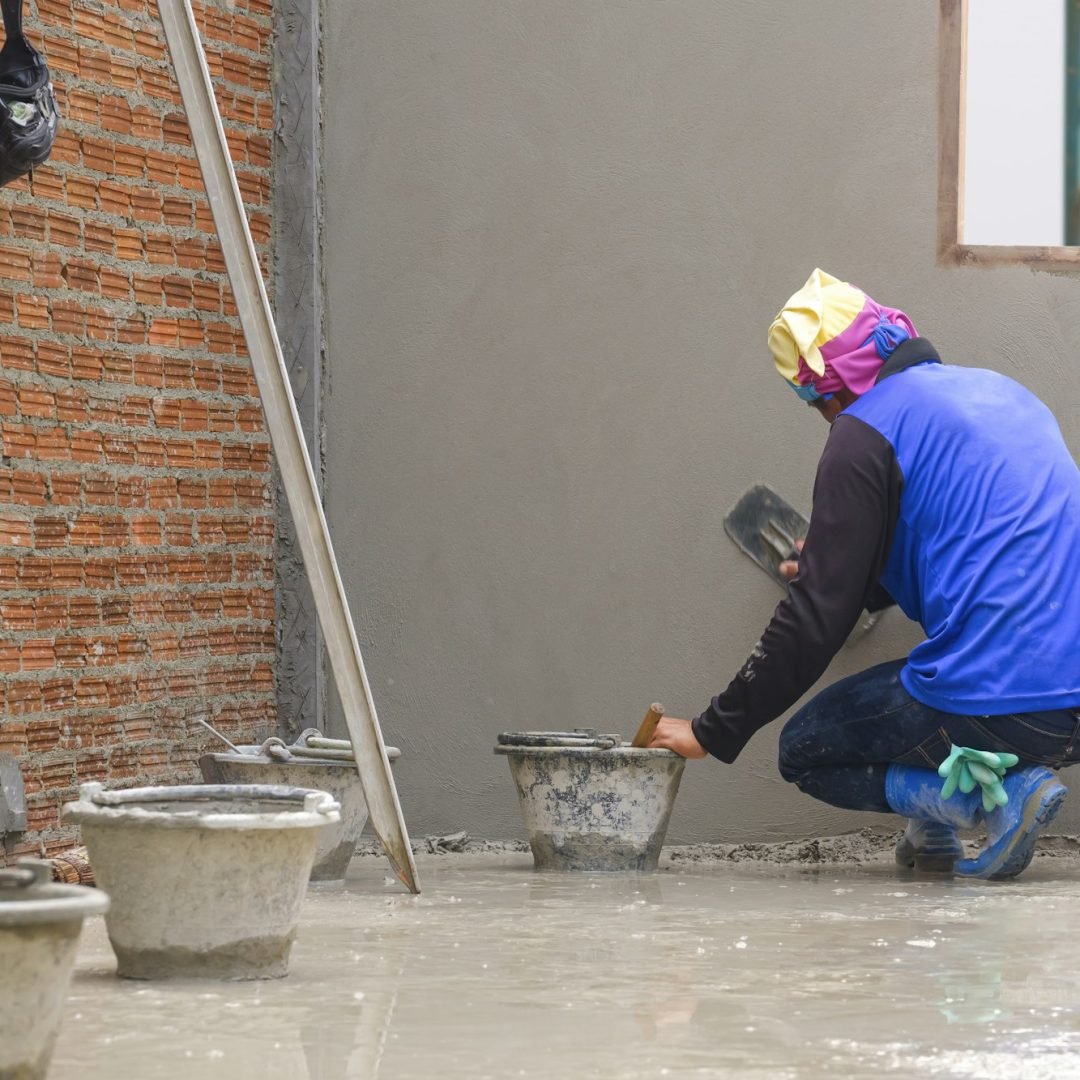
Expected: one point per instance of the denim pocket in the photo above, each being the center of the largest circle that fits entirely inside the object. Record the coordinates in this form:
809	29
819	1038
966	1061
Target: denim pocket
931	752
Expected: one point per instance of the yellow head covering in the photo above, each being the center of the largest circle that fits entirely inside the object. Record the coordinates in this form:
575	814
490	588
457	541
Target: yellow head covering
820	311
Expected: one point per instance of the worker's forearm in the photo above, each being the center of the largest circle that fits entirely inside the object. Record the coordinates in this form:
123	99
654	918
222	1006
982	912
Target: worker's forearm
856	500
793	653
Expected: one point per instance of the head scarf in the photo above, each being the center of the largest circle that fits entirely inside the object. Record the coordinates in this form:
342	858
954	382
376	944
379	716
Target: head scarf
831	335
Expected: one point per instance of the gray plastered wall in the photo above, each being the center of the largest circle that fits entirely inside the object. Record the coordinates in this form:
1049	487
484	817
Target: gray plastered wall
557	233
298	307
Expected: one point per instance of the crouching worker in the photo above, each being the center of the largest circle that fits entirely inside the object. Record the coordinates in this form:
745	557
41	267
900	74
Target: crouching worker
950	492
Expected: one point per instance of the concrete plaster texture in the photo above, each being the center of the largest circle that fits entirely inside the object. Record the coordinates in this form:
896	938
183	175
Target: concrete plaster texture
701	970
556	235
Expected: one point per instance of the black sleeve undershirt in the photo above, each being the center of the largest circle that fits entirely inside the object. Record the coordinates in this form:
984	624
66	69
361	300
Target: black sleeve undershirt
856	504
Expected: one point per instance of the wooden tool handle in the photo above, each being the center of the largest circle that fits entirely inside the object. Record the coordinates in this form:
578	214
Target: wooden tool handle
648	726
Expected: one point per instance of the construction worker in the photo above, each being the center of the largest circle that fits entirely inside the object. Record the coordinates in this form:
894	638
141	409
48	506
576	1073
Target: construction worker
948	491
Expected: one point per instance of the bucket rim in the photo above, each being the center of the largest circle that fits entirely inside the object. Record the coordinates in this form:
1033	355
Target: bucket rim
37	900
142	807
587	751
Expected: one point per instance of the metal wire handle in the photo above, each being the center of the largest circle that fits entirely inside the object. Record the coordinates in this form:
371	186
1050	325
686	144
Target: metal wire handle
319	802
25	873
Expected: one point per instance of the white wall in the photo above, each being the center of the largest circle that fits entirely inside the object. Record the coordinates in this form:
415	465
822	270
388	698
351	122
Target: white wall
1014	187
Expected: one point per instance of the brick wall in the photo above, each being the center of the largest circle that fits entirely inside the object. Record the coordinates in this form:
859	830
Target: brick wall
136	523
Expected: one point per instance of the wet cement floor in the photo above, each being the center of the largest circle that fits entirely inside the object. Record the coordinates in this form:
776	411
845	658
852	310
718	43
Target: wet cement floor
703	971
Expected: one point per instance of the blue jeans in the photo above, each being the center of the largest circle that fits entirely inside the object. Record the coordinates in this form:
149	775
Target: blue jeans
838	746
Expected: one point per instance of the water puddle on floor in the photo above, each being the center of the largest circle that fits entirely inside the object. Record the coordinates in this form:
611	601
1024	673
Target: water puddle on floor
713	971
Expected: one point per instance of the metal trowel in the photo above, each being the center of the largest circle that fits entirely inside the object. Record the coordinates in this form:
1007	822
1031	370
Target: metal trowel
765	527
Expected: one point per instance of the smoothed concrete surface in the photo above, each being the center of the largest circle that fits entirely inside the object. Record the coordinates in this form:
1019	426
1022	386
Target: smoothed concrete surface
705	969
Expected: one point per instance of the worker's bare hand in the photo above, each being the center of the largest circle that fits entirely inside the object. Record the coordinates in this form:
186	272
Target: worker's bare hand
789	568
677	735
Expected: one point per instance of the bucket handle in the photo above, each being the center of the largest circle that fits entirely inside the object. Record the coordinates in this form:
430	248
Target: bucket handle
315	802
26	873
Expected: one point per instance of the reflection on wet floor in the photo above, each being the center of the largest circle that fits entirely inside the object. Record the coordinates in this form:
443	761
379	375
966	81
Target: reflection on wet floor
714	971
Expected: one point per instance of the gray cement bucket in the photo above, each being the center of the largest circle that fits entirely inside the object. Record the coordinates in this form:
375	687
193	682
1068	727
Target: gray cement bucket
592	805
298	765
39	934
206	881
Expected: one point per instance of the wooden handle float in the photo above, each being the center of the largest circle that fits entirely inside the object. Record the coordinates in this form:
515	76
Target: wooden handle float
647	728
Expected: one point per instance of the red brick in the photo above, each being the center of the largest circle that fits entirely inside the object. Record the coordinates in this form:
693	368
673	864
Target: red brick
177	211
129	244
81	274
98	155
157	82
191	252
178	292
68	317
124	73
64	229
150	43
146	205
43	734
63	54
130	161
114	198
53	358
117	32
159	248
29	222
188	174
15	531
46	270
33	311
46	183
34	402
67	149
29	488
174	128
94	64
83	106
87	24
145	124
15	263
99	238
55	13
114	284
16	353
13	737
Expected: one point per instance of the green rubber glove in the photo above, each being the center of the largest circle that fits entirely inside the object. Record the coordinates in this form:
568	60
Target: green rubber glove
967	769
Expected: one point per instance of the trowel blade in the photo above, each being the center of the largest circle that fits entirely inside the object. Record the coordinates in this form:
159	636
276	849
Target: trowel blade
765	527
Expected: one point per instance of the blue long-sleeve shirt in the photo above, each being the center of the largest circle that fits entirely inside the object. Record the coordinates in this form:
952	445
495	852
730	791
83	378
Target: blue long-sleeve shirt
953	490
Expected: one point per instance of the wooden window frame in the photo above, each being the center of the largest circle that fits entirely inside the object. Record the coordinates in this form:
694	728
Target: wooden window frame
952	83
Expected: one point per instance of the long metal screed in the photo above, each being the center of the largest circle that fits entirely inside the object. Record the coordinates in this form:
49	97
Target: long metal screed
208	136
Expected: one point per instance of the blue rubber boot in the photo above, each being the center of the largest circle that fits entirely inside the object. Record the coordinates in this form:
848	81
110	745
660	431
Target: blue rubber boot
1035	796
930	842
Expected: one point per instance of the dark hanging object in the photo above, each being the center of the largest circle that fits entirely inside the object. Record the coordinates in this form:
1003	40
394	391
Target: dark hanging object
27	105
